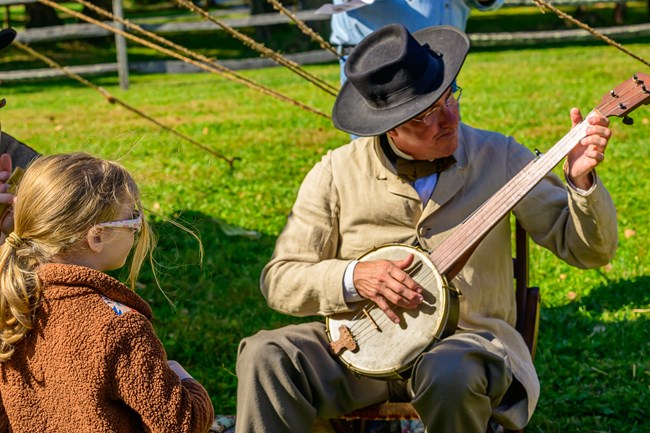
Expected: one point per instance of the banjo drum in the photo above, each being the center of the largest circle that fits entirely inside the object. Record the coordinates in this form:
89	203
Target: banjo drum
370	344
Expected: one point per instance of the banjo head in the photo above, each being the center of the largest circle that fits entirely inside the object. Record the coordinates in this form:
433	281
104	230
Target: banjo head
385	349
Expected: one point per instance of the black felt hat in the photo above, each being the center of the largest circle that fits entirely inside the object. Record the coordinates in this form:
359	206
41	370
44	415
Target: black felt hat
6	37
392	76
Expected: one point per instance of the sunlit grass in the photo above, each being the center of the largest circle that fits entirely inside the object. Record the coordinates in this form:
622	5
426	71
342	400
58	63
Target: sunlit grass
595	336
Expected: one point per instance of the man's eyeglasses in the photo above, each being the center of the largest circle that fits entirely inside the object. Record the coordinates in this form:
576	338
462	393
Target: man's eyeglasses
134	224
451	101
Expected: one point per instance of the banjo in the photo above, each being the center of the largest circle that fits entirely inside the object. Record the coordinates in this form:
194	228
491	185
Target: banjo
370	344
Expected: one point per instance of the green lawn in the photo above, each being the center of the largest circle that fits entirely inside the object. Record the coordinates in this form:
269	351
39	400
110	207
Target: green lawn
594	341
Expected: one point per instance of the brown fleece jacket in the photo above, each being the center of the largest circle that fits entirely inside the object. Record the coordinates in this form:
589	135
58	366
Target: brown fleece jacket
93	363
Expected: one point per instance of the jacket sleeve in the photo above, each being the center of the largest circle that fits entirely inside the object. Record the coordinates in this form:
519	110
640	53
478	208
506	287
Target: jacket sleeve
304	276
578	227
4	420
140	377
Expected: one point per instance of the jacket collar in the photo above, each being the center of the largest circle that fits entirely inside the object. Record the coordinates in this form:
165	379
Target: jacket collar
449	182
73	277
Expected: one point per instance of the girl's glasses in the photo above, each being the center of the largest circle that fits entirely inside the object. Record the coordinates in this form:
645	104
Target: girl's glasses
134	224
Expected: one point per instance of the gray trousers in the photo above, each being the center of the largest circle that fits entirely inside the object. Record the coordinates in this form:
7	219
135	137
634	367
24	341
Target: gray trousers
287	377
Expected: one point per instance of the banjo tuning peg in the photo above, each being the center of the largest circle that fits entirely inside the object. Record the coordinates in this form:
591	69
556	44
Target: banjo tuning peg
627	120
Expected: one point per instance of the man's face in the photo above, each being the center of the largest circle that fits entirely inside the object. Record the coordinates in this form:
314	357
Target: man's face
431	134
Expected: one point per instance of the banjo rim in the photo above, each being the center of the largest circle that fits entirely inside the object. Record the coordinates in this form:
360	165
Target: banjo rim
447	324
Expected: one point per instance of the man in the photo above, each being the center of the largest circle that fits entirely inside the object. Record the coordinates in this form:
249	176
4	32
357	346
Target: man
400	96
19	152
10	149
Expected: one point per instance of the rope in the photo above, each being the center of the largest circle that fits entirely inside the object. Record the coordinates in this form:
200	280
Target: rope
152	35
543	4
304	27
212	67
113	100
229	74
276	57
540	3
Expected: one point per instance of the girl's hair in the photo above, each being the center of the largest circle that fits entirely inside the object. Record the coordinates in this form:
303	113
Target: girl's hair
59	199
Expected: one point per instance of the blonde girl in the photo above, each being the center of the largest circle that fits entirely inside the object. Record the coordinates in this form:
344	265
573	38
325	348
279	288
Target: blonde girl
77	349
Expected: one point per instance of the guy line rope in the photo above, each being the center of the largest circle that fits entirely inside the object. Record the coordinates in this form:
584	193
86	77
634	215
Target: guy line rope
113	100
206	64
541	4
211	66
304	27
265	51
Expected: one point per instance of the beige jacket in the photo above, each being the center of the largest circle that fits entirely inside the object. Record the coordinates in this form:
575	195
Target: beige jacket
352	200
93	364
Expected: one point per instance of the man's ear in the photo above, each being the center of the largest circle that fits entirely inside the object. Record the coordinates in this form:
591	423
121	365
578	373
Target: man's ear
95	239
392	133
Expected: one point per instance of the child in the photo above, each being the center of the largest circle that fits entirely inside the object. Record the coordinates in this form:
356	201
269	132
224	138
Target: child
77	350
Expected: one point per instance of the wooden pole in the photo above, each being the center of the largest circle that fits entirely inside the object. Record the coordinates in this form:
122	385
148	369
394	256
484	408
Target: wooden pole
120	47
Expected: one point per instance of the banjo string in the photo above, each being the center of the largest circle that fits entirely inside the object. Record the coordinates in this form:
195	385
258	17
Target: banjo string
364	330
363	325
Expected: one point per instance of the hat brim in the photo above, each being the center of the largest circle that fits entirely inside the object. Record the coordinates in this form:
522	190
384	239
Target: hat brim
352	114
7	36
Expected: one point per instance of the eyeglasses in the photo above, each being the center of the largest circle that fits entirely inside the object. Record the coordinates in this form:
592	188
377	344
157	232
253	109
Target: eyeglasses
451	101
134	224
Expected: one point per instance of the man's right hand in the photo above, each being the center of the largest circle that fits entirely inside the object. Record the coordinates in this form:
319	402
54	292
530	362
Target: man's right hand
386	283
7	222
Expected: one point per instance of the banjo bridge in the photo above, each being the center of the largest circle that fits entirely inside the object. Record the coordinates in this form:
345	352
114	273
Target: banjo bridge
345	342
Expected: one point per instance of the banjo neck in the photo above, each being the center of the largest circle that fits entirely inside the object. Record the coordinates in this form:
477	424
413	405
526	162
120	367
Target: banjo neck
452	254
469	233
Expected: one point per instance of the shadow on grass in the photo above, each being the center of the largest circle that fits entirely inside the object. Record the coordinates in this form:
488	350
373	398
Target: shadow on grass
215	305
592	355
593	363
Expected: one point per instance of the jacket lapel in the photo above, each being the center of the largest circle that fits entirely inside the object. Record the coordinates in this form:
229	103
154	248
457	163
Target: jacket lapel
450	181
386	172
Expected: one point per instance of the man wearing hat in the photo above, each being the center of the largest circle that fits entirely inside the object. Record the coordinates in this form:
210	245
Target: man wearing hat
7	36
20	153
416	173
12	151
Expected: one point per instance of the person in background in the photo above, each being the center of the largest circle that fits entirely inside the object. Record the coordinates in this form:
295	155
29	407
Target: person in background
78	351
358	18
413	177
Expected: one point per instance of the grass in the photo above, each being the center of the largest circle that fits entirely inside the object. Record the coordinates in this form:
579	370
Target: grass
594	341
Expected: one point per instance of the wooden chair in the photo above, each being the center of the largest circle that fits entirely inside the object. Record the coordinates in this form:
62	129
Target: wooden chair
527	324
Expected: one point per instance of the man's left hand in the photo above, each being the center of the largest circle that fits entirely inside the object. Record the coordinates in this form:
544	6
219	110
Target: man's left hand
590	151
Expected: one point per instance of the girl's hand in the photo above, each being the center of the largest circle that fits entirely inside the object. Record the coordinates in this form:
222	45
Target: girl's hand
179	370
